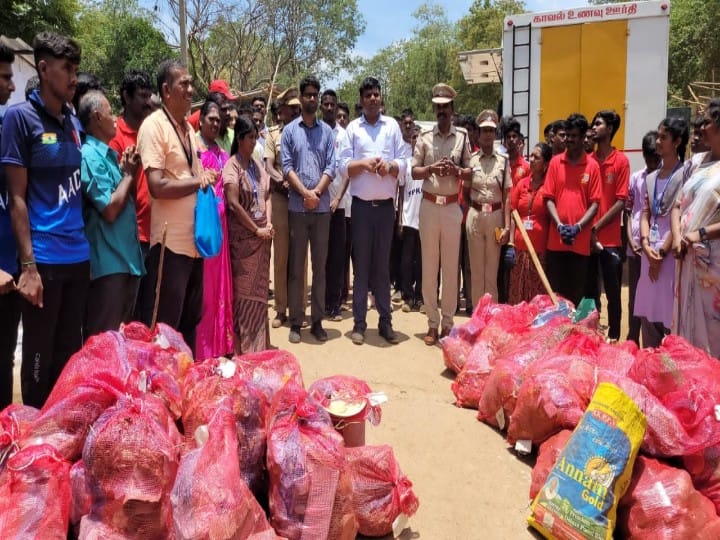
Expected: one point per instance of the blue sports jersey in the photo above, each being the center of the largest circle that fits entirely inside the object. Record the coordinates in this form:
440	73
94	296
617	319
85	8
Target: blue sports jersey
50	151
8	249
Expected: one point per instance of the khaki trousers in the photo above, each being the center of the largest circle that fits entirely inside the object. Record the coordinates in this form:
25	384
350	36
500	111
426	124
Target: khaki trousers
484	252
440	249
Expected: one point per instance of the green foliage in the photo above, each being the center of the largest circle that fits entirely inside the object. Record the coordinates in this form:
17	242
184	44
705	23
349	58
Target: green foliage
117	35
694	47
26	18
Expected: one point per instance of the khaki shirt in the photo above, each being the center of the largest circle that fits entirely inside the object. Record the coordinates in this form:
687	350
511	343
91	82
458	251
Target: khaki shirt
487	177
272	147
160	148
432	146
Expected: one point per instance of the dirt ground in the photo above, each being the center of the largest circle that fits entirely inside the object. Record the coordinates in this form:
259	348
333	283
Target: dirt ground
469	483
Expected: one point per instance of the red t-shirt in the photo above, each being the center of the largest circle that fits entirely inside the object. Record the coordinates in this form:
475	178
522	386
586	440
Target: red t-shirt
521	198
124	137
519	169
573	188
615	178
194	119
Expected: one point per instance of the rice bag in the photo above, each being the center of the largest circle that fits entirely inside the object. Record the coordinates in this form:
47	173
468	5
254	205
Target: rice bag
580	497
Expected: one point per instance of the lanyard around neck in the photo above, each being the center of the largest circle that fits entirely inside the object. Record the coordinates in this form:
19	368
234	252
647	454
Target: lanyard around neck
188	153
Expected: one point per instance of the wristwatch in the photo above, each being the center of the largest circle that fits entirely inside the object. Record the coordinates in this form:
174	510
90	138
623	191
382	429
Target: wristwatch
703	234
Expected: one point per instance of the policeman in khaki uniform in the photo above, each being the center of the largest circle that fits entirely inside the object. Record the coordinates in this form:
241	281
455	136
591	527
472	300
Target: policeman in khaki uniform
441	156
488	221
289	109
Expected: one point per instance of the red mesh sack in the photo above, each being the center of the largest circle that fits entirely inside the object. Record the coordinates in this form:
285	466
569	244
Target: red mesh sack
661	502
470	330
664	435
210	499
203	391
163	358
310	485
704	469
499	395
131	457
80	493
380	490
14	421
269	370
35	495
65	423
348	389
103	360
686	381
551	399
548	454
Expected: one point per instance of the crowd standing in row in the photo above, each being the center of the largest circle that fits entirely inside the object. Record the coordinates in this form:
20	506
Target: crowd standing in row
88	201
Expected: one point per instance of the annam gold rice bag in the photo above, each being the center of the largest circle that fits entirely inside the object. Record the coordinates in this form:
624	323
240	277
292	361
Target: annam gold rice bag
580	496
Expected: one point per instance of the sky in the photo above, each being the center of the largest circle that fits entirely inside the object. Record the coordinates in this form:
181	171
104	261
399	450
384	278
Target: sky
391	20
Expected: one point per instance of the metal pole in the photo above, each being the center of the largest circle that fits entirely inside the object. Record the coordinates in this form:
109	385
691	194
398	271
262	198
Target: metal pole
183	31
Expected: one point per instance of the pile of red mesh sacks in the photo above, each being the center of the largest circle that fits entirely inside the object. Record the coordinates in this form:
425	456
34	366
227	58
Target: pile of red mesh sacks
136	441
530	371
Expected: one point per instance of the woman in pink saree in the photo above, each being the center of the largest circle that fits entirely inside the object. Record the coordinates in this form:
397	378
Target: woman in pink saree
215	331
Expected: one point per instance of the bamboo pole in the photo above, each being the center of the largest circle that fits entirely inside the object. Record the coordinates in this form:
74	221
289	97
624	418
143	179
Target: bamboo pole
533	255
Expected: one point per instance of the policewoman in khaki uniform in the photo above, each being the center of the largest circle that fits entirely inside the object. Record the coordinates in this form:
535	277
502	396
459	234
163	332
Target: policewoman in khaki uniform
488	220
441	156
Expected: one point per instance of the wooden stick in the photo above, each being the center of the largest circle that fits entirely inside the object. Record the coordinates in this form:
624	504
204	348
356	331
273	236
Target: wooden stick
159	278
533	255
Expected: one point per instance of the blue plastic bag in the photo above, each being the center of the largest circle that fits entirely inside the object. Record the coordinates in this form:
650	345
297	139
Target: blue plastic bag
208	228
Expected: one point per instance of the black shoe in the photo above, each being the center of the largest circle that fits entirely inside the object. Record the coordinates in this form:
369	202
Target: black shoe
294	336
357	336
388	333
319	332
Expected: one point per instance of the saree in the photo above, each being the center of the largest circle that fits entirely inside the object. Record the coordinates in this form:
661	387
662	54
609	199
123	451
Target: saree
215	330
696	316
249	257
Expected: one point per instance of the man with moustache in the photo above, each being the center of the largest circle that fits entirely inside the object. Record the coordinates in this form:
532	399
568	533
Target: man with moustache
441	156
116	260
288	110
40	151
168	151
308	162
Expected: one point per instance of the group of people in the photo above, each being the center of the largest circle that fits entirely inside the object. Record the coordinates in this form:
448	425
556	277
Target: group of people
97	215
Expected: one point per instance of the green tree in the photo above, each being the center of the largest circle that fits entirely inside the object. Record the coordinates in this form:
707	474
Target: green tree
117	35
26	18
481	28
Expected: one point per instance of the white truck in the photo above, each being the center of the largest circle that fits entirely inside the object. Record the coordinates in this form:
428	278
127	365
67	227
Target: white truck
611	56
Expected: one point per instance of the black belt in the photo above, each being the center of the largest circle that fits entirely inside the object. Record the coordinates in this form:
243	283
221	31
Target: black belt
374	202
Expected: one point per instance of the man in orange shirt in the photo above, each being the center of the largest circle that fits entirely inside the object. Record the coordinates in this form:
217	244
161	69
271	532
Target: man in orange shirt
572	193
168	151
606	237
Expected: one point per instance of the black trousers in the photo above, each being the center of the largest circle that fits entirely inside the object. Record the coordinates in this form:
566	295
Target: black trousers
567	273
111	301
181	292
335	267
346	261
313	228
396	258
411	266
465	269
372	233
52	333
503	278
9	319
144	284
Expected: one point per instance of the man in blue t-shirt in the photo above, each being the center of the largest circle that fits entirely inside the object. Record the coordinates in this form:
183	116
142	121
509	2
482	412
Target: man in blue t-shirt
9	299
40	150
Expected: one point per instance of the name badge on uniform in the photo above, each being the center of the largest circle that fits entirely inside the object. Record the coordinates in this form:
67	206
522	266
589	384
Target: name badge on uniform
529	224
654	233
486	208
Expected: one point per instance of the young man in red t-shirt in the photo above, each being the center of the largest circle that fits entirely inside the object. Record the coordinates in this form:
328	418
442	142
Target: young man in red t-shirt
606	233
572	193
136	98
